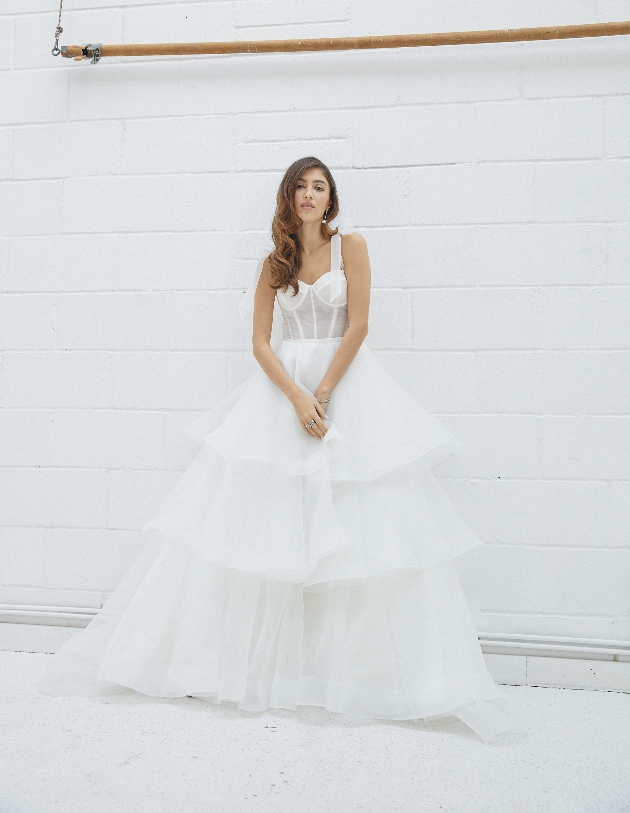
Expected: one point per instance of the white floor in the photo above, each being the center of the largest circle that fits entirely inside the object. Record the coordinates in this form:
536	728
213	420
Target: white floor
130	754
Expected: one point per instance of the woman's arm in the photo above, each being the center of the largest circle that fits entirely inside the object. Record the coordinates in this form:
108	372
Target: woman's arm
306	406
357	269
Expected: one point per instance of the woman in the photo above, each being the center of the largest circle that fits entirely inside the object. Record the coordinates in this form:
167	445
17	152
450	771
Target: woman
306	200
303	558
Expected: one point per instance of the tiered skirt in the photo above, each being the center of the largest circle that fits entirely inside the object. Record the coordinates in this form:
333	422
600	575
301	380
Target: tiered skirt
285	570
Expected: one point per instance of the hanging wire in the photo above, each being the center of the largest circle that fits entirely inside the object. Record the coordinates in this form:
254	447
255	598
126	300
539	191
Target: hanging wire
59	31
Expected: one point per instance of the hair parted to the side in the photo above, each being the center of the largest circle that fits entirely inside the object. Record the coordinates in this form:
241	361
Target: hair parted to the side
286	258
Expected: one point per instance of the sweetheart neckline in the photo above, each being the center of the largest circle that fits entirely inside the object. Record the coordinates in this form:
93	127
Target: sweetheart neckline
310	284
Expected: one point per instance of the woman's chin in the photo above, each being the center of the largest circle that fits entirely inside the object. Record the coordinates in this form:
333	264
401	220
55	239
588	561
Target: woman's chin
309	217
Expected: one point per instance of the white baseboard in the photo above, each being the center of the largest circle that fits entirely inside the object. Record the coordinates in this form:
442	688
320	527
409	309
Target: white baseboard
521	660
38	615
563	673
554	646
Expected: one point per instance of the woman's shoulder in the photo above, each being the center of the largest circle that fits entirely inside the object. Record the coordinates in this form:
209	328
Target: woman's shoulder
351	237
353	242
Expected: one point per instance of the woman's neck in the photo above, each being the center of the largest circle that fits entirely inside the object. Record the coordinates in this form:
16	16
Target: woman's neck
310	238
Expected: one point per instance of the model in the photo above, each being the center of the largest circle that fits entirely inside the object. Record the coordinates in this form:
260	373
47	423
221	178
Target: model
304	557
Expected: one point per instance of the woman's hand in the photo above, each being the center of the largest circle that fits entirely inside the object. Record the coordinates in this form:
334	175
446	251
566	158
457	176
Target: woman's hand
307	409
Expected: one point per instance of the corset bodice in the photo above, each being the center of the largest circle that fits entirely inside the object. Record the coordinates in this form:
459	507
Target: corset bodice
320	310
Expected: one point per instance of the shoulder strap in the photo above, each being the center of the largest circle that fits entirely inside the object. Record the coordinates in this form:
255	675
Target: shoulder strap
335	249
336	275
246	303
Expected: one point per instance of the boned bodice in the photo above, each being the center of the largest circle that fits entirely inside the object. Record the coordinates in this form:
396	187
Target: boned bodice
320	310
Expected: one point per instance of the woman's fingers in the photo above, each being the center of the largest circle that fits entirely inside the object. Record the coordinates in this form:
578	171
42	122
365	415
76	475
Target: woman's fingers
316	413
321	414
315	430
318	429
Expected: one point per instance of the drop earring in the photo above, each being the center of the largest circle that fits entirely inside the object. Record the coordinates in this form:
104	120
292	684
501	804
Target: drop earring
326	214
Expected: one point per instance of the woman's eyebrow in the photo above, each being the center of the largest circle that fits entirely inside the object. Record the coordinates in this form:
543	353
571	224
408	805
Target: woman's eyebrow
316	181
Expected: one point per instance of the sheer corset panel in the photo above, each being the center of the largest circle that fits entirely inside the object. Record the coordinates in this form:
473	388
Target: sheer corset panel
320	310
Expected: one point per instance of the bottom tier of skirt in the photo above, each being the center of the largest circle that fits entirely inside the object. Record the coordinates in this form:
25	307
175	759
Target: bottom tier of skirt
400	645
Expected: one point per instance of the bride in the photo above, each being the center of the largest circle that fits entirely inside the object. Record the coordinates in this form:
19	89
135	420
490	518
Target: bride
307	199
304	556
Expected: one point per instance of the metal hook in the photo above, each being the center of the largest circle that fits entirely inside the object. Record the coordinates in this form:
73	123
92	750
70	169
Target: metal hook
56	51
94	51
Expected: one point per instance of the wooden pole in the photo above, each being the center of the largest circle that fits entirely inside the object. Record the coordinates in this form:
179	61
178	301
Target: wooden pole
353	43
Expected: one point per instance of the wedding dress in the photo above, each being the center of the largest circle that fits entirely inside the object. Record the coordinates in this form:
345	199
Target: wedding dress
286	570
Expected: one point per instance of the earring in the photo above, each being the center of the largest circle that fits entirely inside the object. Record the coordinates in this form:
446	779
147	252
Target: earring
326	214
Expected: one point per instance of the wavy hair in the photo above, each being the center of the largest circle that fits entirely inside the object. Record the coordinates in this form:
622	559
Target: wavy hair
286	258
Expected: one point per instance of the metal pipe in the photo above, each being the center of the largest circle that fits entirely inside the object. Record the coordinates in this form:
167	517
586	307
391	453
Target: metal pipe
349	43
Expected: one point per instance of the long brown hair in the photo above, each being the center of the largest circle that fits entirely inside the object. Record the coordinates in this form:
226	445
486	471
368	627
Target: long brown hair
286	259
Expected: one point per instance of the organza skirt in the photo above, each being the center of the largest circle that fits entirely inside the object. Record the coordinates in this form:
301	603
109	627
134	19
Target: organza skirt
284	570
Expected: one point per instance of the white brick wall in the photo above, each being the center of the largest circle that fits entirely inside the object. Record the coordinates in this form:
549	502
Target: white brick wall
493	185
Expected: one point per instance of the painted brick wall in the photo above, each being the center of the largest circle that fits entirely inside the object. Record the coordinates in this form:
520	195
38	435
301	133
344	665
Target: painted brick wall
493	186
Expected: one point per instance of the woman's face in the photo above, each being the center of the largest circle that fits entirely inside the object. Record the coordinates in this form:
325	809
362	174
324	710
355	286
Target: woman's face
312	195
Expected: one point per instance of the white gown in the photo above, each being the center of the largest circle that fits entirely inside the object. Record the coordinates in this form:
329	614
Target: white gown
285	570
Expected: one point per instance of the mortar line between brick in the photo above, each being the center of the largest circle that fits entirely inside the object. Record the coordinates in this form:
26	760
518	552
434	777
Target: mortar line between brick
383	288
443	478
